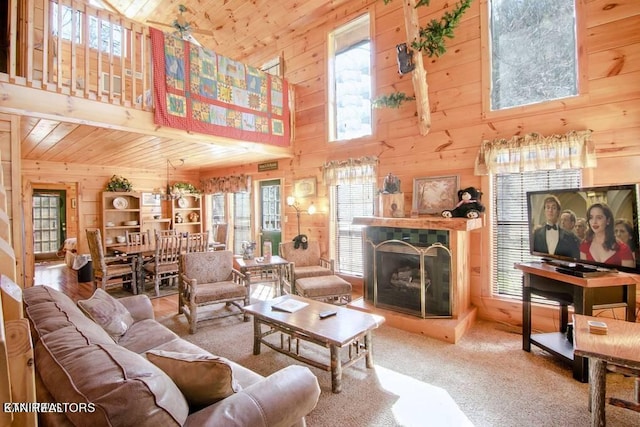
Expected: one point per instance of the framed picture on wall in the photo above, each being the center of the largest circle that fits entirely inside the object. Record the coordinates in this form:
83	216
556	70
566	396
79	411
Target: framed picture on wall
149	199
432	195
305	187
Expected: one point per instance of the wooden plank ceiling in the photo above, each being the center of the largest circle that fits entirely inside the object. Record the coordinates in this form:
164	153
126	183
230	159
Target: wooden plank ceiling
234	28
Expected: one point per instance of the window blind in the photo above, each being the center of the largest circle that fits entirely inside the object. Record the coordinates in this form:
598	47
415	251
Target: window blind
351	200
511	237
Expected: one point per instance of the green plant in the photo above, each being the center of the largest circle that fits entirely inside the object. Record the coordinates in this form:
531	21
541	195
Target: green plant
118	183
184	188
432	36
393	100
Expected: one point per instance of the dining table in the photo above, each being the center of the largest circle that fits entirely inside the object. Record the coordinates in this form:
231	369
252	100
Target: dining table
139	251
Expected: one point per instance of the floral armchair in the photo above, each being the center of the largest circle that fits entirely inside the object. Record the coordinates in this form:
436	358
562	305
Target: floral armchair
304	262
209	278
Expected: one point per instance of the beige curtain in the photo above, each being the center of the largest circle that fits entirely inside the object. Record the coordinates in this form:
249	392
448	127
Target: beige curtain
227	184
573	150
362	170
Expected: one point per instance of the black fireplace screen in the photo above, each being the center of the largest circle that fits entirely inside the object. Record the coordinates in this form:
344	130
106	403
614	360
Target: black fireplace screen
413	280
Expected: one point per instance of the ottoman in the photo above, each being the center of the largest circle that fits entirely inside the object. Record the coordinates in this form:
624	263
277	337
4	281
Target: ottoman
330	289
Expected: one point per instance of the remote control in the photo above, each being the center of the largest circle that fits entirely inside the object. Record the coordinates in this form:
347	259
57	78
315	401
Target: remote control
328	313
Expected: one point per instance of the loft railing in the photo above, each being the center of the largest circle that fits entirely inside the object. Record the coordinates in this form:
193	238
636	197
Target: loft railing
68	47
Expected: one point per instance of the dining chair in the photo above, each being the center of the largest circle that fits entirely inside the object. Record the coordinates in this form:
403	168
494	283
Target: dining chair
138	237
162	233
197	242
165	262
219	237
107	268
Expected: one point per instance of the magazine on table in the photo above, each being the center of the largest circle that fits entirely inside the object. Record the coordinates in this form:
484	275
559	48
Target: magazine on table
290	305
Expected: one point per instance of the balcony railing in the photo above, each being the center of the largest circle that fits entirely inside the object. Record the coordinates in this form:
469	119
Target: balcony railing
68	47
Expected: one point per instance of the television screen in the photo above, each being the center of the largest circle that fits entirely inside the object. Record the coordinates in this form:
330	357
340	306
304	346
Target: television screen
594	226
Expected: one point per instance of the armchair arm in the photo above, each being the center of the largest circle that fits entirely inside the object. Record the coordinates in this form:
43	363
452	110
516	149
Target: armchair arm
328	263
238	277
281	400
139	306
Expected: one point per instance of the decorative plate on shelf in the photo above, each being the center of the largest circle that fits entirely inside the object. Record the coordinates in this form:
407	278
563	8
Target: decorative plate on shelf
120	203
182	202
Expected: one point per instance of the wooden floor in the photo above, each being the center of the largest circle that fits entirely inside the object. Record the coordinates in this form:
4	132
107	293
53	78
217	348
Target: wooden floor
57	275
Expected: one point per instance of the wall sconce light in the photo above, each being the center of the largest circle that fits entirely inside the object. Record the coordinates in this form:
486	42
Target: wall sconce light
291	201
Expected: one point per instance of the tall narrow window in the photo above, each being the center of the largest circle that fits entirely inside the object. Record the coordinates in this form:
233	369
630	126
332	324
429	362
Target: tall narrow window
534	49
350	80
241	220
351	200
511	237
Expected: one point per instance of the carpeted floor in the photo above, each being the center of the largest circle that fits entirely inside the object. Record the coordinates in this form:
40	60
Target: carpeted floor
484	380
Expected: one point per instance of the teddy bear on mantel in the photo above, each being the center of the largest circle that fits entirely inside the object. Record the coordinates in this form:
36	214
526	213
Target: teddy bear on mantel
469	205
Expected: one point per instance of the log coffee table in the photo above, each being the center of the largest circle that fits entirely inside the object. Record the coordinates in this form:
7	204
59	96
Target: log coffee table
348	327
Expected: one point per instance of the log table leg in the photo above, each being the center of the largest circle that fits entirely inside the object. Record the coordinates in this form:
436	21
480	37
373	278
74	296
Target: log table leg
369	349
336	369
597	385
257	331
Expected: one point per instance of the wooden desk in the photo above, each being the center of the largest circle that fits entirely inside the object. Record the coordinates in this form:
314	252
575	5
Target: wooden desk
275	265
620	347
611	290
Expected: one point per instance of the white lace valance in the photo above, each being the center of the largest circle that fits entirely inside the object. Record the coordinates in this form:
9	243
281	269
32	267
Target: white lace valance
573	150
352	171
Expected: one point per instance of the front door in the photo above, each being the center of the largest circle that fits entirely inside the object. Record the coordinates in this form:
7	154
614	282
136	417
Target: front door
49	222
270	203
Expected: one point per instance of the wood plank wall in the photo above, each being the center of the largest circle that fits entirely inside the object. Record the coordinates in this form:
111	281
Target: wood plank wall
611	108
86	183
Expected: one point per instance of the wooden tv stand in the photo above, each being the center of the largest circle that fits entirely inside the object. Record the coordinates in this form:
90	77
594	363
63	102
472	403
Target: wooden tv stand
584	294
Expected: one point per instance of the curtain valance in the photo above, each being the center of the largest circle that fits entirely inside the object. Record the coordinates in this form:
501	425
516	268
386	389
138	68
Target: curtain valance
227	184
533	151
363	170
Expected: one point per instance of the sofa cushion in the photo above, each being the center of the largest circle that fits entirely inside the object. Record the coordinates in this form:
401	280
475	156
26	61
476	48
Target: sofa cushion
203	378
146	335
107	312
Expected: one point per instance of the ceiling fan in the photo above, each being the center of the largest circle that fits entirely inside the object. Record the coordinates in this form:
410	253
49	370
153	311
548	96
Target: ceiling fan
183	28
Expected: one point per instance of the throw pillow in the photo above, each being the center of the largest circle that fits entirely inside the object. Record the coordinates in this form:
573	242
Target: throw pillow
107	312
202	378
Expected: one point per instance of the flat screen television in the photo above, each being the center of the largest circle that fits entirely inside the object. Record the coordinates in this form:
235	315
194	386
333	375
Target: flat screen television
604	236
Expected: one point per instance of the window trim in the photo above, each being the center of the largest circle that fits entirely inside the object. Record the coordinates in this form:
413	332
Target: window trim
582	99
330	93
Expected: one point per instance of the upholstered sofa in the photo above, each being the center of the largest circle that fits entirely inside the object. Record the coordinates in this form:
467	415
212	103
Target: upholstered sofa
96	357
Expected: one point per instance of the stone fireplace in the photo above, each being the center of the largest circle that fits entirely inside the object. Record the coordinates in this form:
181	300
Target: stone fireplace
412	279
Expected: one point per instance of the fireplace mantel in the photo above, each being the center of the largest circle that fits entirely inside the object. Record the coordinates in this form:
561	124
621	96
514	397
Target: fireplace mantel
422	223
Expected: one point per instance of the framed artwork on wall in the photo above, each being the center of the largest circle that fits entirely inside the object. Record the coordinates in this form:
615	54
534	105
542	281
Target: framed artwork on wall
432	195
149	199
305	187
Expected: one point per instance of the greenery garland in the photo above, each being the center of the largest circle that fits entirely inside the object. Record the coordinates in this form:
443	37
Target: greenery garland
433	35
393	100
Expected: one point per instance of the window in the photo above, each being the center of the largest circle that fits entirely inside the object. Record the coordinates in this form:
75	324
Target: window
241	220
217	208
511	237
533	48
63	22
111	35
351	200
350	80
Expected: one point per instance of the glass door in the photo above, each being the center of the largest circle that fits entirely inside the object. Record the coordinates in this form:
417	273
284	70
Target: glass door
49	222
270	214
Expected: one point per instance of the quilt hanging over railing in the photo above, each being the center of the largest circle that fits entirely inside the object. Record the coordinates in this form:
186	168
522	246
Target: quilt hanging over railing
198	90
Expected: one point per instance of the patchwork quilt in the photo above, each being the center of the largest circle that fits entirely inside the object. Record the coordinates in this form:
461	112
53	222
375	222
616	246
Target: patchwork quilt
198	90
